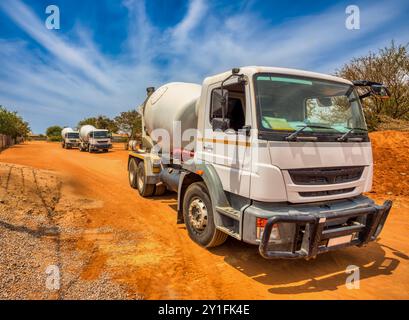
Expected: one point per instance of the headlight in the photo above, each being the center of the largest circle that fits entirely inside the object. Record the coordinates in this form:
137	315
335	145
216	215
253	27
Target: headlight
261	224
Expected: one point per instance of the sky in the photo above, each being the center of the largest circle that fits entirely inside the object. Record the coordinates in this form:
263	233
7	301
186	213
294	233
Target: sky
107	52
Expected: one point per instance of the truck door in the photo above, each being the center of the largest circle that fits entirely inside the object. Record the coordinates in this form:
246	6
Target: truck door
229	151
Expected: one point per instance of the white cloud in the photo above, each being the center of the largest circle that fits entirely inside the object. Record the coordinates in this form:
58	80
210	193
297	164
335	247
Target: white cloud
67	53
197	9
75	80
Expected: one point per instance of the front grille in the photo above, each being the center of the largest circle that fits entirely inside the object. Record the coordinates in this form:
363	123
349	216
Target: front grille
325	193
104	141
322	176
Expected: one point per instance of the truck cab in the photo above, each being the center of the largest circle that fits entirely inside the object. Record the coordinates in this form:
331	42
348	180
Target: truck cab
92	139
71	140
100	140
281	159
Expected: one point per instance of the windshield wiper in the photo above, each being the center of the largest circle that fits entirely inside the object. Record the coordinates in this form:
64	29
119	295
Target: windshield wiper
293	136
346	134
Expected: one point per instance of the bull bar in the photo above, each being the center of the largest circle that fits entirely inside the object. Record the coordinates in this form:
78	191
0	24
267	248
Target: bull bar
315	232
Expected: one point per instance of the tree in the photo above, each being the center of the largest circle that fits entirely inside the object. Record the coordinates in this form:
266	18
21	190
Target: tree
100	122
129	122
389	66
12	124
53	131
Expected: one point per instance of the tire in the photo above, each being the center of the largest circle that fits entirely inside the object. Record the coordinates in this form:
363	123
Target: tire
145	190
204	231
160	190
132	173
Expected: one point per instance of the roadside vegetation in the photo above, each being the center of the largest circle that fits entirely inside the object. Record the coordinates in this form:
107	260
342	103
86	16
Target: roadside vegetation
128	122
53	133
100	122
12	124
389	66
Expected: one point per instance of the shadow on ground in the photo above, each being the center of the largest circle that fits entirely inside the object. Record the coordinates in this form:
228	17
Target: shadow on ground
326	272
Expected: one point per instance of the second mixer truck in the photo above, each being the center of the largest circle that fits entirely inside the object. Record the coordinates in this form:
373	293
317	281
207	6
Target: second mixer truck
279	158
93	139
70	138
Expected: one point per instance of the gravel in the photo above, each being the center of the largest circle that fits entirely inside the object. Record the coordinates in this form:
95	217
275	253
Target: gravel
39	229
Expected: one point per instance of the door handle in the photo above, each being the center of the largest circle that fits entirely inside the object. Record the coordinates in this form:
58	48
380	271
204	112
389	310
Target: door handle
208	147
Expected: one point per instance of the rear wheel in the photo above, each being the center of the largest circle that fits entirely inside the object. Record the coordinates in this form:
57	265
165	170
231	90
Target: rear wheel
132	173
198	215
145	189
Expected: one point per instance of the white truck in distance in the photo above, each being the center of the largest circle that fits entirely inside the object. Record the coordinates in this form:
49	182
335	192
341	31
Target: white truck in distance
280	159
70	138
93	139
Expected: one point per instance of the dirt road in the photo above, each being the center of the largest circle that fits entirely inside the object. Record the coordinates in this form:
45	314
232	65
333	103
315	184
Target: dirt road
111	243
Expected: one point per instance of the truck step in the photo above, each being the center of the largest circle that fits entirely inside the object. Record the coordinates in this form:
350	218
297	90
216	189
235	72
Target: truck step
230	212
229	232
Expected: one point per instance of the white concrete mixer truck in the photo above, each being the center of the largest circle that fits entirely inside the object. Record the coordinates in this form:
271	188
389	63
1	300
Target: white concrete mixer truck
93	139
70	138
279	158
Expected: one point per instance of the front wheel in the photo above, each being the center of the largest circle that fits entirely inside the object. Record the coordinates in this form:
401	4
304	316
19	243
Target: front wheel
198	215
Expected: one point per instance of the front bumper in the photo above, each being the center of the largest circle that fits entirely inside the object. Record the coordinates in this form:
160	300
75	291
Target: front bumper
72	144
312	232
101	146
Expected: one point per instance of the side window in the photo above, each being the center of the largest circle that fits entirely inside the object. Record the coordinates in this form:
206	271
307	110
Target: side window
216	104
235	109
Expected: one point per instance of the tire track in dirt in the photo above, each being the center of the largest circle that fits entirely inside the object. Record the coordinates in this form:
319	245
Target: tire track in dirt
23	184
6	179
57	237
40	226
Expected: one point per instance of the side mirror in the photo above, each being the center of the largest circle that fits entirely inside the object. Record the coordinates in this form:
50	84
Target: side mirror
375	89
380	91
220	124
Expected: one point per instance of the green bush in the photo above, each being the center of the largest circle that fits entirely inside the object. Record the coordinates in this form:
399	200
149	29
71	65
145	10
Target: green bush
54	138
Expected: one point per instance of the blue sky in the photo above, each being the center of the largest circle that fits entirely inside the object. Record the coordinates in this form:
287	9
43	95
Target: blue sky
107	52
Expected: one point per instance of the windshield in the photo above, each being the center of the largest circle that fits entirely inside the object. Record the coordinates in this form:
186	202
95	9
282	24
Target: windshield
288	103
73	135
100	134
